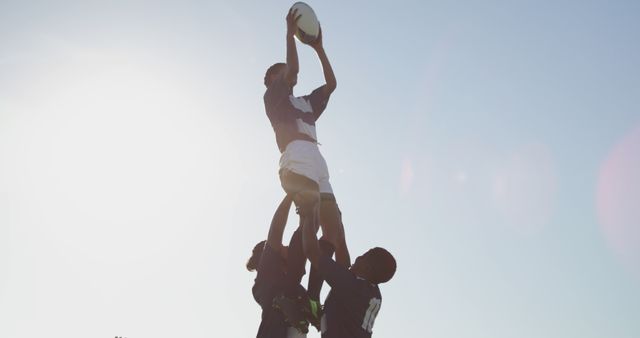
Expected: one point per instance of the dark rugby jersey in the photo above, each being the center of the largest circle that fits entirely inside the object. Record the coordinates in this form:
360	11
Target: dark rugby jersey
352	304
293	118
269	283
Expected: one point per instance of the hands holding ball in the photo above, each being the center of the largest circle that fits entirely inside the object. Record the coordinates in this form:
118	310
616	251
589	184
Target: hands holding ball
303	23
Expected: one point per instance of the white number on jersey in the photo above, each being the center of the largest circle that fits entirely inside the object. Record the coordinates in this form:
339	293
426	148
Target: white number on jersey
370	316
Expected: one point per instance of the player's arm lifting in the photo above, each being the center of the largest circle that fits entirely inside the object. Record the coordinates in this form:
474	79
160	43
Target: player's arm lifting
291	74
329	77
278	223
342	251
336	274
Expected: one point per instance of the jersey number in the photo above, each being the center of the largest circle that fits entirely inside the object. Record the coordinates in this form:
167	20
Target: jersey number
370	316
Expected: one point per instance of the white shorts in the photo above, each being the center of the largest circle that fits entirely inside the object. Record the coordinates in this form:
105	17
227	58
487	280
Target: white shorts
304	158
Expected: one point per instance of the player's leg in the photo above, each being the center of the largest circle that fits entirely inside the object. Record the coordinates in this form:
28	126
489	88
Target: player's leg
306	196
330	222
330	217
307	199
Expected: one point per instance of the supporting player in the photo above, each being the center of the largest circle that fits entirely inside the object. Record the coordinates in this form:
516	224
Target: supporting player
354	300
303	170
269	259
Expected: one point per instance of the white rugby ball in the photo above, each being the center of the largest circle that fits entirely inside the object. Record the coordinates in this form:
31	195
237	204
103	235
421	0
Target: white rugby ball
308	24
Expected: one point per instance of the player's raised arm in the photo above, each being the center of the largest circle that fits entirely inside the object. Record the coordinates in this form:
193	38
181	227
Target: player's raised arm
342	251
278	223
329	76
291	74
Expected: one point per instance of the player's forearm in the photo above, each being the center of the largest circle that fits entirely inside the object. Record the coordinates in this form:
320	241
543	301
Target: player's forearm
342	255
329	76
278	223
292	56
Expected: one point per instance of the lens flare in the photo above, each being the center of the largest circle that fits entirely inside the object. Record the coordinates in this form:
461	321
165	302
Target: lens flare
618	200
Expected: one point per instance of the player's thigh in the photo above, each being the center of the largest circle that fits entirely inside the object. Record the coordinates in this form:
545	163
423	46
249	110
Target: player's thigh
293	183
304	190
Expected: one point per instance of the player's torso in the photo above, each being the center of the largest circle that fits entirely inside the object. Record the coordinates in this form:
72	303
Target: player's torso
351	315
269	283
305	122
291	117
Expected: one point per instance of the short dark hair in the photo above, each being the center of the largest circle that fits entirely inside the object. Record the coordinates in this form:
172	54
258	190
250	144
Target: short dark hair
256	253
382	263
274	68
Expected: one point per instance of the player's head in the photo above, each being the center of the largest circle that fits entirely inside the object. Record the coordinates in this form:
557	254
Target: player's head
273	72
376	265
256	253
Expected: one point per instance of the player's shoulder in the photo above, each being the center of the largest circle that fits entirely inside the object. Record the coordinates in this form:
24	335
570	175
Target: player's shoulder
327	261
271	259
376	291
271	252
369	289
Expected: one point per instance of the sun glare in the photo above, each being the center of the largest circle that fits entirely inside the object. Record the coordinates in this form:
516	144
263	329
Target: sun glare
618	193
113	143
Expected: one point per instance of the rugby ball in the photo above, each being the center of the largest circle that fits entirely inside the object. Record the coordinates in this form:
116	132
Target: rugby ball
308	24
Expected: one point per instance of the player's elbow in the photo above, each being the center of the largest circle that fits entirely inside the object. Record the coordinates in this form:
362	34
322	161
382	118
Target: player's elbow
331	86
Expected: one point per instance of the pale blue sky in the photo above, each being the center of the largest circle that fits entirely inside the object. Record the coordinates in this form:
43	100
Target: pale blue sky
492	146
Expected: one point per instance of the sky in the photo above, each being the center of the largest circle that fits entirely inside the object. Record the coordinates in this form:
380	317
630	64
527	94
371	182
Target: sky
492	146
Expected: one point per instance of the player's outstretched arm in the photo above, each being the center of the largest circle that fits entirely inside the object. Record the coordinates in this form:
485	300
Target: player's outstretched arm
278	223
329	76
292	53
342	252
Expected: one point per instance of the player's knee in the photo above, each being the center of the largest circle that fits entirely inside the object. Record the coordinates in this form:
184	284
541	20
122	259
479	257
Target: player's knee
307	202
